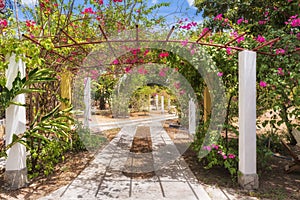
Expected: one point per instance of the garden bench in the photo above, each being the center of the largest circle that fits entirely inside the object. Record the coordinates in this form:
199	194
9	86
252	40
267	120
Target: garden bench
296	158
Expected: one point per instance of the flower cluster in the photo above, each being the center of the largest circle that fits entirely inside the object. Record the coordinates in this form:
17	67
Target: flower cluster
260	39
117	1
236	35
204	31
30	23
3	23
163	54
241	20
220	152
225	21
294	21
280	51
88	11
188	26
262	84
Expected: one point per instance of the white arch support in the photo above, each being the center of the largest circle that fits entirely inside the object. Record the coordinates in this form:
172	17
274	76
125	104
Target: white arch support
15	168
248	178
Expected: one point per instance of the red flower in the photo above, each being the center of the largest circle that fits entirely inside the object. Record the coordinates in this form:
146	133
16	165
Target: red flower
88	11
163	54
260	39
218	17
3	23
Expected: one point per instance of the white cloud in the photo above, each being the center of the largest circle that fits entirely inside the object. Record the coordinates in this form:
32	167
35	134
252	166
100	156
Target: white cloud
191	2
154	1
29	2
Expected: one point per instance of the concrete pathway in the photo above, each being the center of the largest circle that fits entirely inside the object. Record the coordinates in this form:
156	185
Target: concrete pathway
172	179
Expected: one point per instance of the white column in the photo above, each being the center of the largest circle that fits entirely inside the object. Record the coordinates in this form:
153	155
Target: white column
192	117
247	120
16	170
156	101
87	102
169	103
162	105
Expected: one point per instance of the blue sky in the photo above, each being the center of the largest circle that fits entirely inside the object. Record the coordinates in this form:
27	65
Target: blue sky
178	9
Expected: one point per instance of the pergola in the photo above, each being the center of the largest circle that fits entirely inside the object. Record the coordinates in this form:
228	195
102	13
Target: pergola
247	94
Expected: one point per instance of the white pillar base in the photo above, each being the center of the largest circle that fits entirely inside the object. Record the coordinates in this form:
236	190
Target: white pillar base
248	181
15	179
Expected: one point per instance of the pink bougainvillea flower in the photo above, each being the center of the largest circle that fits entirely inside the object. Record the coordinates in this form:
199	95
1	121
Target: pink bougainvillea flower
55	5
214	146
240	39
295	22
228	50
234	34
208	148
177	85
204	31
280	72
262	84
220	74
280	51
218	17
298	36
127	69
246	21
30	23
88	11
163	54
162	72
262	22
135	51
224	157
142	70
192	51
115	62
182	92
239	21
117	1
3	23
260	39
146	52
231	156
184	43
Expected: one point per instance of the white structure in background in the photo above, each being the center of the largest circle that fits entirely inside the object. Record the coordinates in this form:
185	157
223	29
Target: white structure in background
247	120
156	102
87	102
15	168
169	103
162	105
192	117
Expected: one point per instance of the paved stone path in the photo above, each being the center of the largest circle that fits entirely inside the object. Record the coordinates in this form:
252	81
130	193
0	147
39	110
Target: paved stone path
104	178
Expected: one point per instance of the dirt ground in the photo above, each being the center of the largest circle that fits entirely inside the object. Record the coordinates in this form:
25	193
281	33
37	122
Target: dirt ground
274	184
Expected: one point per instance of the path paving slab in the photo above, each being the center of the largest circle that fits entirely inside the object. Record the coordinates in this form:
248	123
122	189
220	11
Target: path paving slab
106	177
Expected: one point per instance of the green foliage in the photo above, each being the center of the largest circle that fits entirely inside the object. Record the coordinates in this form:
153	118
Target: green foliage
85	140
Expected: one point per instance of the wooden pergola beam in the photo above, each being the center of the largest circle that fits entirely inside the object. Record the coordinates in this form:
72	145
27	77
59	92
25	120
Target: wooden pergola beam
75	42
202	36
51	51
170	33
234	39
266	43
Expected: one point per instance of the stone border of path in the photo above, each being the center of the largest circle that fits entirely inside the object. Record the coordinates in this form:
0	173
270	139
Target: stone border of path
103	178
